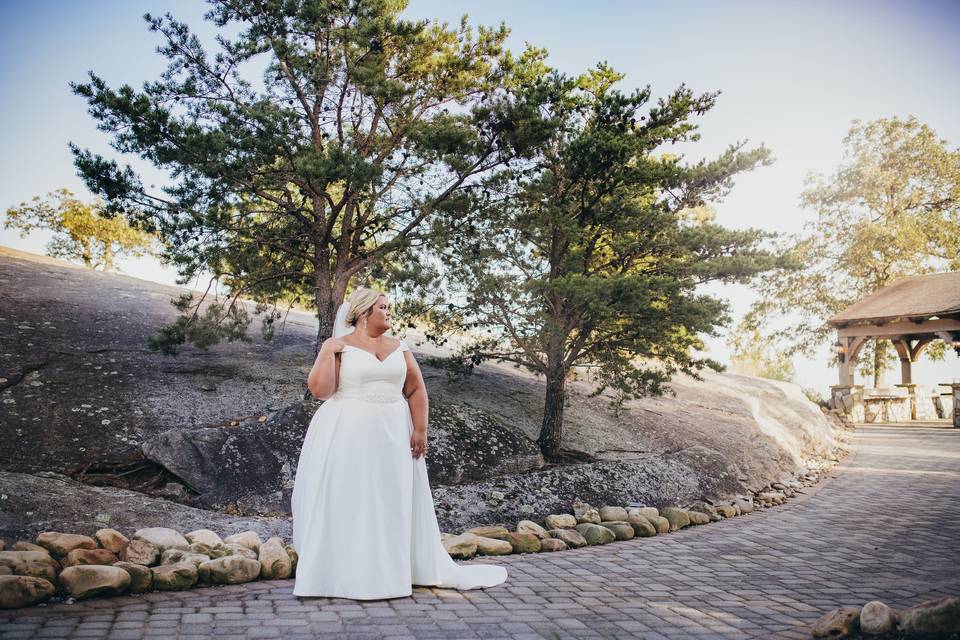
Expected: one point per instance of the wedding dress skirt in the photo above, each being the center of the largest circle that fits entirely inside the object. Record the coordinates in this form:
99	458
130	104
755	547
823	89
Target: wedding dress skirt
364	523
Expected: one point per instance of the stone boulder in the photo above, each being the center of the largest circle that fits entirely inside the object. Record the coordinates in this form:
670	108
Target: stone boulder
229	570
646	512
725	510
839	623
490	546
553	544
162	538
595	534
661	524
571	537
529	526
175	556
13	558
641	525
141	578
678	518
23	545
174	577
461	547
936	617
622	530
523	542
87	581
214	551
23	591
140	552
204	536
248	539
240	550
111	539
60	544
294	558
584	513
34	570
89	556
560	521
876	619
498	533
613	514
274	561
698	517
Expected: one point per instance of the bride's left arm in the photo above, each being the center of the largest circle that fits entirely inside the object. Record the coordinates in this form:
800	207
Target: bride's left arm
415	391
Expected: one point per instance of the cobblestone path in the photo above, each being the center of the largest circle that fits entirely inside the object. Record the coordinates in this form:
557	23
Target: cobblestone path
885	526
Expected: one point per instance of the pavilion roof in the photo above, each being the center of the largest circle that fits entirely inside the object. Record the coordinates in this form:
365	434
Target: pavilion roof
934	294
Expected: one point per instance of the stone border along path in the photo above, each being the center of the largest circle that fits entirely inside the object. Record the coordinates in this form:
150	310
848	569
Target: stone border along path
886	526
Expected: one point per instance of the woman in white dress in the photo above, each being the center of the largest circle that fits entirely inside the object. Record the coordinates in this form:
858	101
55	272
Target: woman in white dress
364	523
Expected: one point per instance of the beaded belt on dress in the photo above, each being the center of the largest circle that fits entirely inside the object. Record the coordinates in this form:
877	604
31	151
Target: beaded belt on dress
369	397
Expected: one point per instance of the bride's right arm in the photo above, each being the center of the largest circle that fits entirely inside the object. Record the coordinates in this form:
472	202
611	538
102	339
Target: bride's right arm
323	377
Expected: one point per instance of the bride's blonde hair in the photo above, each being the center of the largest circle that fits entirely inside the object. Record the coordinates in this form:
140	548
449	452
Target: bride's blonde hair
361	301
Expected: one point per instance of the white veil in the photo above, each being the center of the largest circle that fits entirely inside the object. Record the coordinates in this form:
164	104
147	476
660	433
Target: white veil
340	326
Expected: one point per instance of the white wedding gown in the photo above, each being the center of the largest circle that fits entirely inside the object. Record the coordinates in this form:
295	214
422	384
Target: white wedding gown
364	523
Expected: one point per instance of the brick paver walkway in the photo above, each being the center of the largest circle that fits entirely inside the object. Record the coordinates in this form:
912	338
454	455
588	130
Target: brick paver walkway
886	526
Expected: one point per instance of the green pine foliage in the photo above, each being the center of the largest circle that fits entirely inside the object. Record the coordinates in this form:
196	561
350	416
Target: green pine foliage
587	257
365	128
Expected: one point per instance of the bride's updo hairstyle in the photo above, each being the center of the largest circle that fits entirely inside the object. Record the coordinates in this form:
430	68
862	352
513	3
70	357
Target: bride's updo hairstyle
361	301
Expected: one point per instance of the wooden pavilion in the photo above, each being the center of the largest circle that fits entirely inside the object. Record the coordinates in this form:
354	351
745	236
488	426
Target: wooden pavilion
910	313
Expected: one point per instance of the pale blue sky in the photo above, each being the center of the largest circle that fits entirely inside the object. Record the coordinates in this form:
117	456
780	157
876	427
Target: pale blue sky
793	75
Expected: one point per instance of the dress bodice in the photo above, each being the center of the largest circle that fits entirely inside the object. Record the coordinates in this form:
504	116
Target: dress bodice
363	375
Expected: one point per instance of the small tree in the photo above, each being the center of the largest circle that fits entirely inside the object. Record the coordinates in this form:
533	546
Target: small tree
891	210
82	230
367	125
590	254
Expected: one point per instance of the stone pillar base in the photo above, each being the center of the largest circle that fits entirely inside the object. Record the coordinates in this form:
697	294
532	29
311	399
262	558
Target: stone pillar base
848	401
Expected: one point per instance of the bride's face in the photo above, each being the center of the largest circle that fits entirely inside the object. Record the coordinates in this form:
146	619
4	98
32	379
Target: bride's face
379	319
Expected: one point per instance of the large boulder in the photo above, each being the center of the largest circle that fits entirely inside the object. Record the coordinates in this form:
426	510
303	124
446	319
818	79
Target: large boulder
162	538
87	581
174	577
248	539
529	526
678	518
641	525
934	618
571	537
274	561
595	534
461	547
499	533
34	570
13	558
174	556
141	578
489	546
23	591
838	623
560	521
622	530
203	536
89	556
523	542
612	514
229	570
877	619
140	552
111	539
60	544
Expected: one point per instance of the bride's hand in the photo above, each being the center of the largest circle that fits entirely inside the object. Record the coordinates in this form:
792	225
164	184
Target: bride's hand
335	345
418	443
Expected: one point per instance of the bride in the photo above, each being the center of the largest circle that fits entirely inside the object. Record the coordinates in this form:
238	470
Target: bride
364	523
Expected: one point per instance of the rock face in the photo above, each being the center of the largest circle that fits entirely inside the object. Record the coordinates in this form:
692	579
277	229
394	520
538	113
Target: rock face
724	436
59	502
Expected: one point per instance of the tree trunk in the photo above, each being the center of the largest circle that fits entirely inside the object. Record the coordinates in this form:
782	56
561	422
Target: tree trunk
879	362
551	430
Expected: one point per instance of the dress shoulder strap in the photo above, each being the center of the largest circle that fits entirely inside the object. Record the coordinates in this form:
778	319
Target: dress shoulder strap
403	346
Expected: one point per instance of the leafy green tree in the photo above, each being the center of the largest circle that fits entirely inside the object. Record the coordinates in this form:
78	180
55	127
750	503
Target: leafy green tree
589	254
892	209
755	356
365	128
82	231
